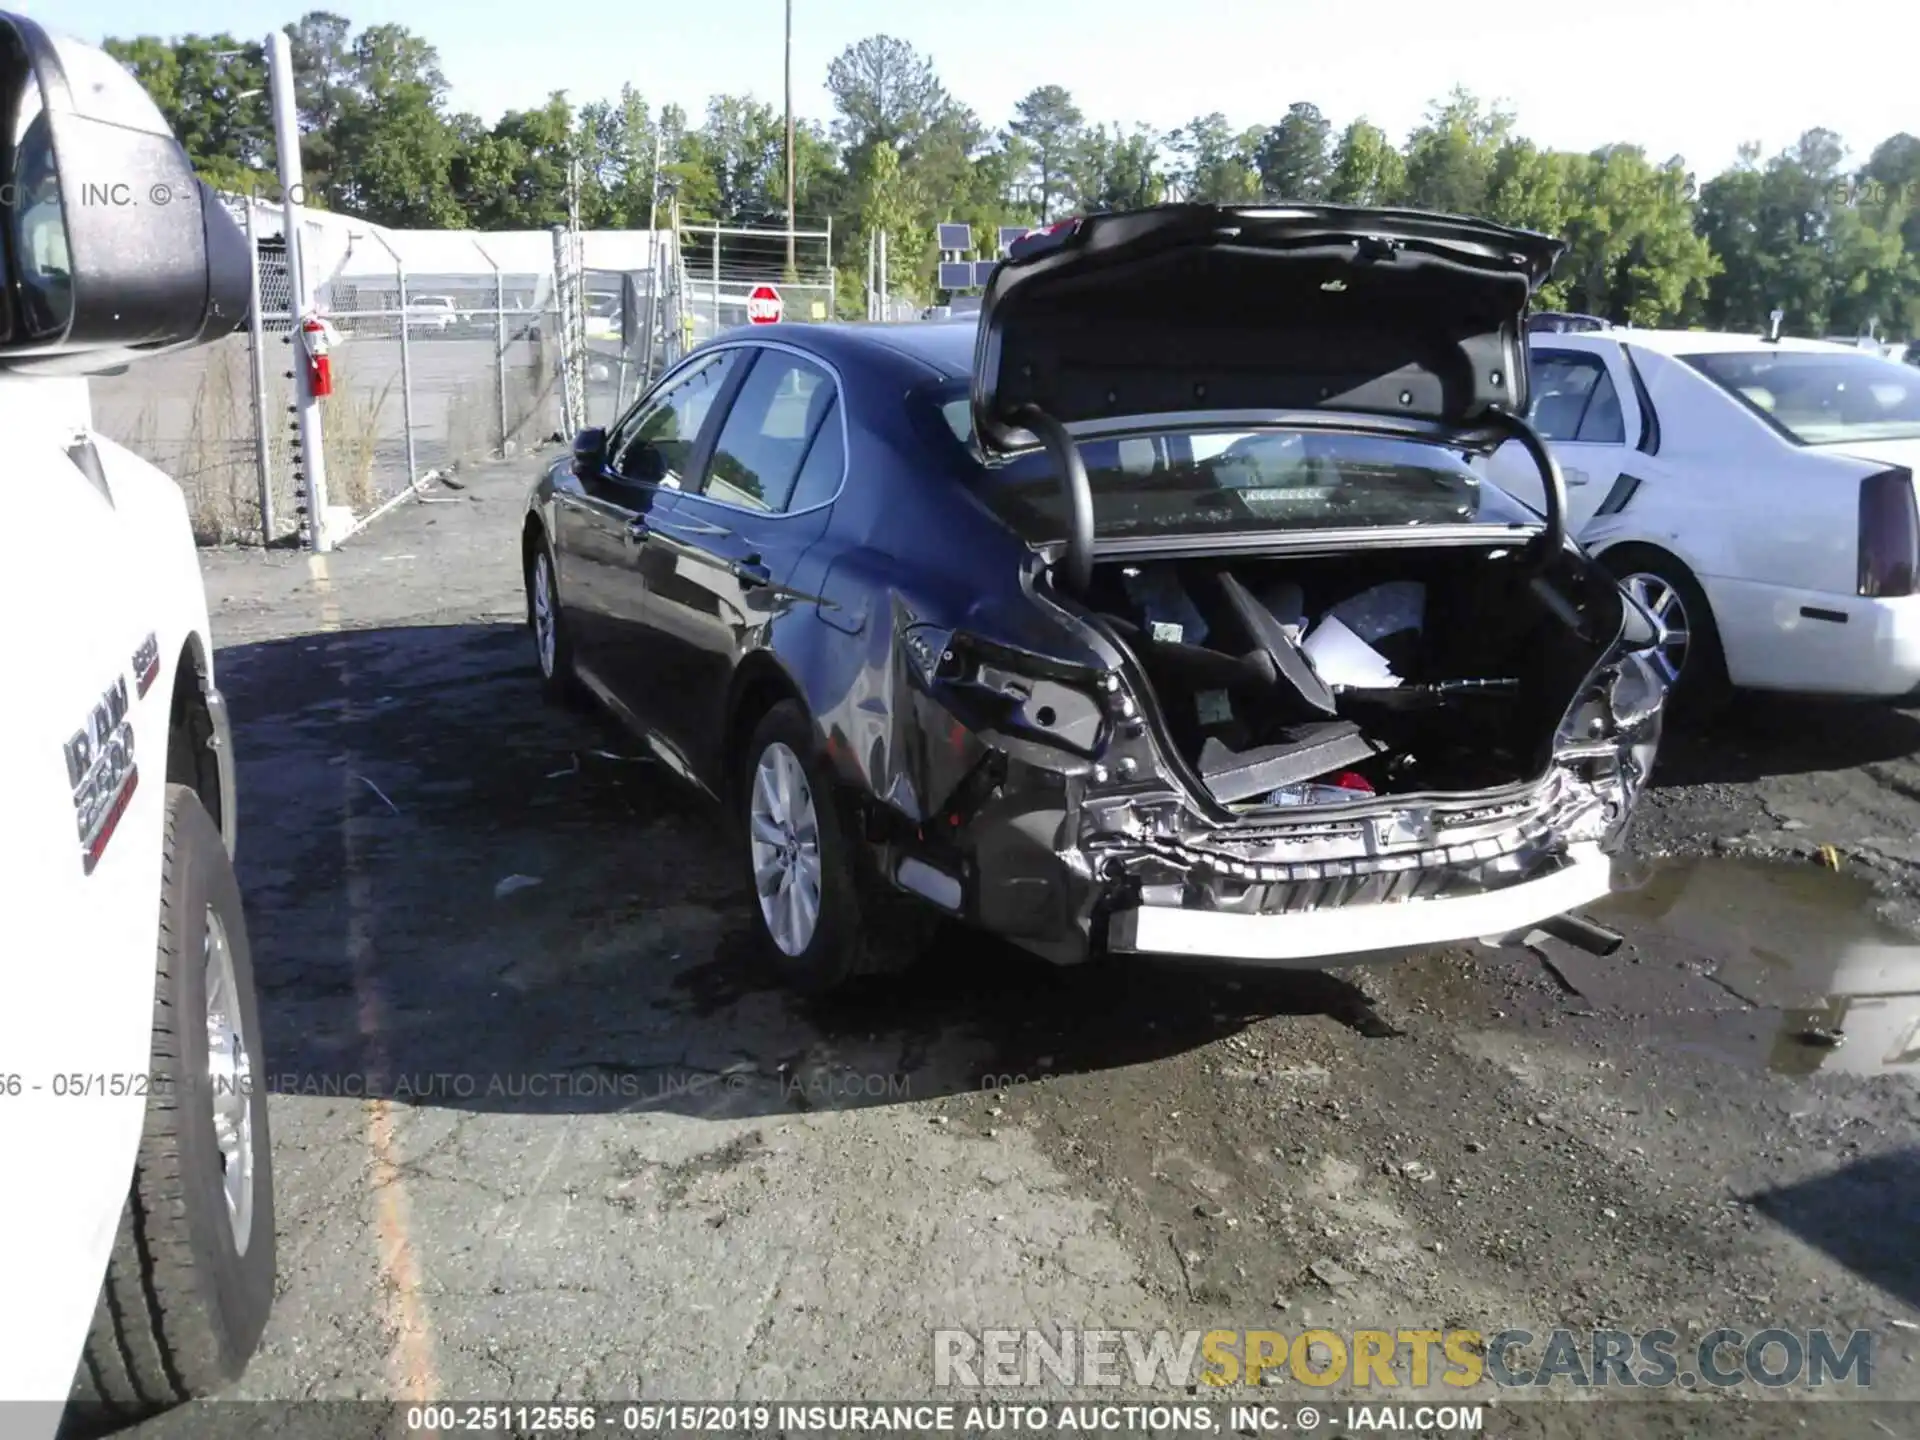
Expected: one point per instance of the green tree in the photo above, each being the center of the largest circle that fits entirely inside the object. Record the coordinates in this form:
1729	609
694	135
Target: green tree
1794	234
1051	125
212	89
394	138
1890	187
885	92
1295	157
517	177
1367	170
322	46
1449	159
1120	170
1633	252
1216	163
743	143
891	204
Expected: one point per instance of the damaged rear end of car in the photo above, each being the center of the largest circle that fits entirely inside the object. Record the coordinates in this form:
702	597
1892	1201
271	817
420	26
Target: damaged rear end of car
1291	686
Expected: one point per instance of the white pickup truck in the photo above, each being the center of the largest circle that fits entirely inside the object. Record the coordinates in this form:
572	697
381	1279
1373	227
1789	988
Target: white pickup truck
136	1221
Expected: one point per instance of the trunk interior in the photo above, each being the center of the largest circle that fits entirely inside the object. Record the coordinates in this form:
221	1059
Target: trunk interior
1321	679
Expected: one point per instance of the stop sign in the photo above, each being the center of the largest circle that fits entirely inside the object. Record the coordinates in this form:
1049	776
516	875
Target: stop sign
764	306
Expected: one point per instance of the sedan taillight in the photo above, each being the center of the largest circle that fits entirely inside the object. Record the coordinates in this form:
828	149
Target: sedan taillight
1889	535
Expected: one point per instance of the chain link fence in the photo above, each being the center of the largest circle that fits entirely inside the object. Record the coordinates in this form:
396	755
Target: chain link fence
446	351
450	347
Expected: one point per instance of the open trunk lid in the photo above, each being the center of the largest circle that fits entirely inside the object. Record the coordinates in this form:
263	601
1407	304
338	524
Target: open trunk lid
1185	315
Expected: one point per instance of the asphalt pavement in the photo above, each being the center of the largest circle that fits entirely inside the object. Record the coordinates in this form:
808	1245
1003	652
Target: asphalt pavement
545	1129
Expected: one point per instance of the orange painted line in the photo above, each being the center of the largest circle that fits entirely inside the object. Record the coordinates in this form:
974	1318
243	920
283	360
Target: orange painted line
413	1372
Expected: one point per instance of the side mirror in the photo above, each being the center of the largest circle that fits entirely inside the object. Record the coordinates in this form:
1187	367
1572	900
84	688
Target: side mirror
112	246
590	451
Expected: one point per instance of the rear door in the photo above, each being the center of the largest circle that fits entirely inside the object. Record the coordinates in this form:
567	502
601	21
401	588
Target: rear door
1585	407
725	557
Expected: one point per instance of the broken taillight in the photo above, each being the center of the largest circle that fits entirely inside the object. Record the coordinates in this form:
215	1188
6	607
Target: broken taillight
1889	535
1036	242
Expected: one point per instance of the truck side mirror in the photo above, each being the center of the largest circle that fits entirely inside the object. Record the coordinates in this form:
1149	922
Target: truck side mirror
113	247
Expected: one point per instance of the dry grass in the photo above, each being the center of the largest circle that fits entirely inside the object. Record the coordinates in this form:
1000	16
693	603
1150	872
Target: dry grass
350	423
530	390
213	459
471	424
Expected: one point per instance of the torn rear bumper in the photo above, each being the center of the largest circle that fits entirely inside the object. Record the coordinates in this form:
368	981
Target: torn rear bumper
1316	939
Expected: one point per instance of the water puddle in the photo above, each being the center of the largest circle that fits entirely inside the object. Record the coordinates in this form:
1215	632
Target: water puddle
1778	965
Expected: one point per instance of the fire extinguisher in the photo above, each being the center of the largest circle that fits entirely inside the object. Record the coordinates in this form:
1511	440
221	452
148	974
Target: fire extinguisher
316	338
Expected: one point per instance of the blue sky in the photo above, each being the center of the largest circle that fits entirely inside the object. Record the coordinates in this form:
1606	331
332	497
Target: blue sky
1693	77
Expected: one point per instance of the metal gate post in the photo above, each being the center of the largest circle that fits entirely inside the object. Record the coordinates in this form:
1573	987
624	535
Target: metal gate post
565	296
499	338
716	279
256	345
406	358
653	306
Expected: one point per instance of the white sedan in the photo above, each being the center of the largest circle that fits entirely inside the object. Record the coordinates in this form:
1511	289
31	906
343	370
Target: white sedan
1756	495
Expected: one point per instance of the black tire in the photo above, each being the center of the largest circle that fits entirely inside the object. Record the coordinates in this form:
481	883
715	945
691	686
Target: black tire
864	927
182	1307
558	678
1701	688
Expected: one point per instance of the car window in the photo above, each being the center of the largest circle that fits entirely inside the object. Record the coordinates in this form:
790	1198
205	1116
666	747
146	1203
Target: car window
826	463
657	438
1603	424
1565	386
1172	483
1818	397
763	443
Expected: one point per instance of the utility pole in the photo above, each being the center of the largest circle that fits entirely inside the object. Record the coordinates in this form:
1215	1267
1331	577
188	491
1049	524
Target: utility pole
791	274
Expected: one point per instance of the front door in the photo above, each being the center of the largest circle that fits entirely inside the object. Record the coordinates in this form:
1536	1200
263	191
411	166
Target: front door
728	551
605	526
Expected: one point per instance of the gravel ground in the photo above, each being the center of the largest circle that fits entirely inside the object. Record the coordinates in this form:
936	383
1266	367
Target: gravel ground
613	1159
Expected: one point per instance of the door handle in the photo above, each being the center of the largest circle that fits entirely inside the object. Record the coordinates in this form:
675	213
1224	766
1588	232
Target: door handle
1574	477
751	573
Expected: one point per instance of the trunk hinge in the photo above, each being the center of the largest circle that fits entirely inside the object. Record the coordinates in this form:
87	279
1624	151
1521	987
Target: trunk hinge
1076	566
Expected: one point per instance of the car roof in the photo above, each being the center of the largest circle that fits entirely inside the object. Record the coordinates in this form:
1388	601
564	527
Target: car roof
1687	342
921	350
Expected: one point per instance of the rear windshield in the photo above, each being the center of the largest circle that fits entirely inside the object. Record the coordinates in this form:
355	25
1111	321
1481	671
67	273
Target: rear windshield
1820	398
1173	483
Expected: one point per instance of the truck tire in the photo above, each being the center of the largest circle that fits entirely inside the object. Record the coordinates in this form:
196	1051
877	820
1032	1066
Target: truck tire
191	1276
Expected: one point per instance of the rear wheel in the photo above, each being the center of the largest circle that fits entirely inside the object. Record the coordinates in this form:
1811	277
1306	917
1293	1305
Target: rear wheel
819	920
1689	640
190	1280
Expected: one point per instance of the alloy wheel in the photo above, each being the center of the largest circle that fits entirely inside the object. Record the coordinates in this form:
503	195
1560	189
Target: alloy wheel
229	1082
784	833
1658	597
544	637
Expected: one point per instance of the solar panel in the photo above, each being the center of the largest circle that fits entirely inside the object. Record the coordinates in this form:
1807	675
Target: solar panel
983	271
956	275
1010	233
955	237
